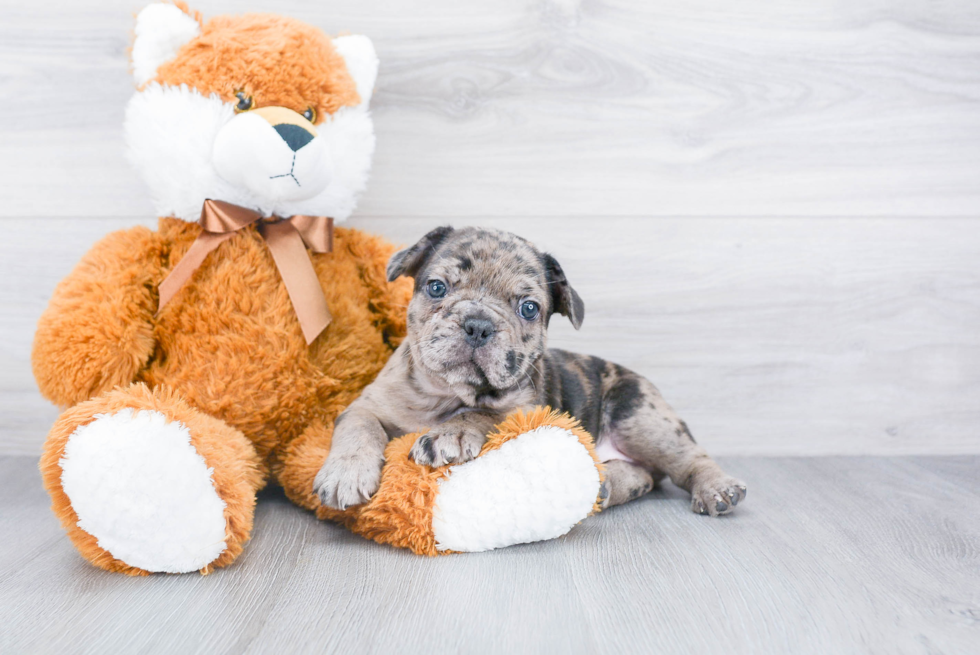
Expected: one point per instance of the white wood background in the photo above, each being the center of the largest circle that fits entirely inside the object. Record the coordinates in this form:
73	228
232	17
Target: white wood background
771	209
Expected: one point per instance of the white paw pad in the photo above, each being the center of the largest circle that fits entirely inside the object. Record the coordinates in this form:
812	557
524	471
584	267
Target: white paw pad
141	489
534	487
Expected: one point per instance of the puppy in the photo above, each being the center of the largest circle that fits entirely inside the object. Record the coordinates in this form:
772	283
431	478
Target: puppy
476	350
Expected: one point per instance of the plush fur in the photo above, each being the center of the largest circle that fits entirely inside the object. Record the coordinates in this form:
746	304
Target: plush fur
188	73
405	510
237	472
161	30
277	60
220	387
225	362
227	351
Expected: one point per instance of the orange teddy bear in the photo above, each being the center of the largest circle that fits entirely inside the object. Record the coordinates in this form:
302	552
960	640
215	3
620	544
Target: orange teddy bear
199	361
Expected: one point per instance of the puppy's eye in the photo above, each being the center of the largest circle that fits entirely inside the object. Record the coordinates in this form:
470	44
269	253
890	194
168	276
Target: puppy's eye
436	288
530	309
310	114
245	101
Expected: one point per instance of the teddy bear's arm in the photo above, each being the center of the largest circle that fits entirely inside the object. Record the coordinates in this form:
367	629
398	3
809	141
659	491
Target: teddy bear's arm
97	331
389	300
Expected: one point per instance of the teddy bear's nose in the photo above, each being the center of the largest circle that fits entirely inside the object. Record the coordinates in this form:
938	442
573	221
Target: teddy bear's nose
295	136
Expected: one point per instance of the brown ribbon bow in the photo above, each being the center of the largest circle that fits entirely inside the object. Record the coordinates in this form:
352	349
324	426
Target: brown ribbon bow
285	237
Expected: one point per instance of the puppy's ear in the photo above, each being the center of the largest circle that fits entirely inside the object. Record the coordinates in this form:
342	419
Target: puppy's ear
564	299
411	260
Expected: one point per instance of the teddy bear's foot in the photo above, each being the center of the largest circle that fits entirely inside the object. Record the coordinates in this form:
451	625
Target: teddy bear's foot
535	479
141	489
145	483
535	485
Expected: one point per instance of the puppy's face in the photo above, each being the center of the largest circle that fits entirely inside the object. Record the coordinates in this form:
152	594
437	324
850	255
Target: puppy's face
482	302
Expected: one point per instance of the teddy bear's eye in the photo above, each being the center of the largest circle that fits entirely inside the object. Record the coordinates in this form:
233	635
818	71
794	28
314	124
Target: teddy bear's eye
245	101
310	114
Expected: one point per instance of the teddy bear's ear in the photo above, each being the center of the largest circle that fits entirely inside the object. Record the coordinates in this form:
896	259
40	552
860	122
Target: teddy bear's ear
161	30
362	62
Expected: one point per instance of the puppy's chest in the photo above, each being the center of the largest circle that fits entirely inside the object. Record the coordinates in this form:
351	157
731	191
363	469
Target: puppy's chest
424	408
408	413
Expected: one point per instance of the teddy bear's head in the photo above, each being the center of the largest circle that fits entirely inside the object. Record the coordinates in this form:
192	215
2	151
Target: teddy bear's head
258	110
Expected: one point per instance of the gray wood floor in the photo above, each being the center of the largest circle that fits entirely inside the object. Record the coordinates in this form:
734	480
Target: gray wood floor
828	555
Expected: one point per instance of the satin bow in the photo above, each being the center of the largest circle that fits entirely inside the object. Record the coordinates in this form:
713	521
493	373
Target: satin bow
286	238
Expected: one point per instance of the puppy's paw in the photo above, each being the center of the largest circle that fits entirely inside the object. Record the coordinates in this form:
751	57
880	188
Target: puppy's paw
345	481
624	482
717	496
447	444
603	498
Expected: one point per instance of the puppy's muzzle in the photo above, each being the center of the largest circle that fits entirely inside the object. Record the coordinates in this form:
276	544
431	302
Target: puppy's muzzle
479	330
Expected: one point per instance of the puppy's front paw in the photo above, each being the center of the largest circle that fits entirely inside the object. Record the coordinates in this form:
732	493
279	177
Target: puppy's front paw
717	496
447	444
345	481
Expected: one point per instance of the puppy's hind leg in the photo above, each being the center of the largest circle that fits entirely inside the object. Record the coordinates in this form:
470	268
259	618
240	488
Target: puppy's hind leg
624	482
650	433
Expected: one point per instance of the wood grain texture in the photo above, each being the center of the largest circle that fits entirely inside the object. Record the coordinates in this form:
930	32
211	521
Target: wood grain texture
827	555
792	336
644	143
639	141
563	107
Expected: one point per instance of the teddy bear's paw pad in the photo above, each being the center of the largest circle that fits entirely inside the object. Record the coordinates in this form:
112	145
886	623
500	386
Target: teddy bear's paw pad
141	489
534	487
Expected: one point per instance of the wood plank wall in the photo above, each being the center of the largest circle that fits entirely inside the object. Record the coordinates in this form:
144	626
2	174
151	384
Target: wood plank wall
771	209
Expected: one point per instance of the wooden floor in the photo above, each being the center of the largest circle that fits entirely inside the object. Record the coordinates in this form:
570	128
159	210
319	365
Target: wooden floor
828	555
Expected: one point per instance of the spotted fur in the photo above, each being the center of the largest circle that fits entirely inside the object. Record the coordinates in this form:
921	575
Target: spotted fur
441	378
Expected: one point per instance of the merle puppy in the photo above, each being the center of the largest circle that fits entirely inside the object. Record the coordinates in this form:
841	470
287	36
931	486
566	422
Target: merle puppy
476	350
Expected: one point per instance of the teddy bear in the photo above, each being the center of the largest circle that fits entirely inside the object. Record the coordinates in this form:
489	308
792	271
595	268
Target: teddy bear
201	361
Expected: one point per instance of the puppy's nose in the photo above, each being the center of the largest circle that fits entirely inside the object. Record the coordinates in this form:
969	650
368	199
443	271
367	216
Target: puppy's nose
478	331
295	136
